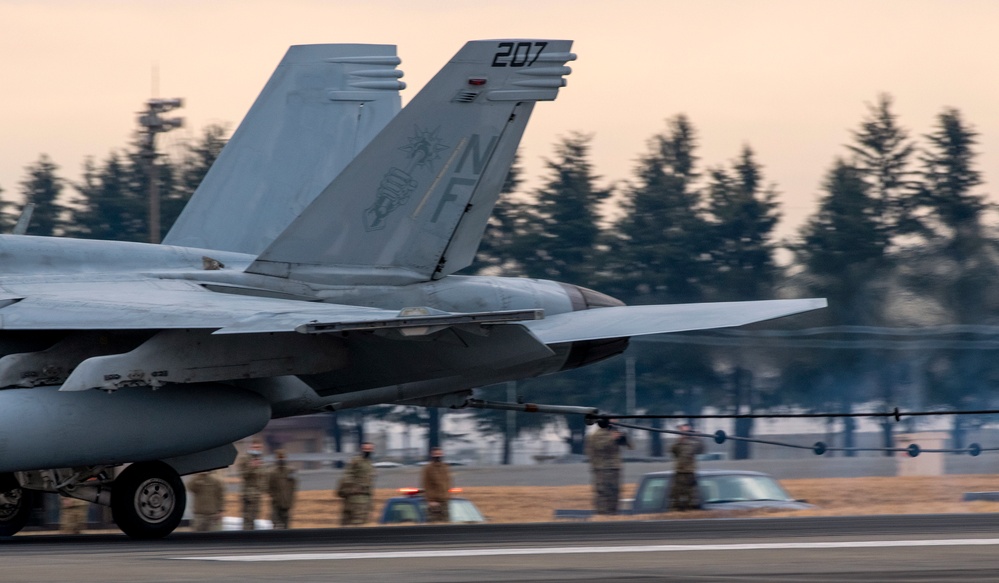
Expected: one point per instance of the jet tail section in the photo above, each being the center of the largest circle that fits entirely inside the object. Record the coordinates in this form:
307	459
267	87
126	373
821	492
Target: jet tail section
322	105
414	204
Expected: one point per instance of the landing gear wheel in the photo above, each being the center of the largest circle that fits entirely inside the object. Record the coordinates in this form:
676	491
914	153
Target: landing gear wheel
15	505
147	500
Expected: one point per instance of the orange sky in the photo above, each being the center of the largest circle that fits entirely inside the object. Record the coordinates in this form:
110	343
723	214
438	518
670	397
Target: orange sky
790	78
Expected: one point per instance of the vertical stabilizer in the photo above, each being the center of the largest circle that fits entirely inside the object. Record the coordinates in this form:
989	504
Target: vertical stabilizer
414	204
322	105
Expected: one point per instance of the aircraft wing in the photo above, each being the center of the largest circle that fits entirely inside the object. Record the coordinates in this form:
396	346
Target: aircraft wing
158	305
176	331
625	321
168	305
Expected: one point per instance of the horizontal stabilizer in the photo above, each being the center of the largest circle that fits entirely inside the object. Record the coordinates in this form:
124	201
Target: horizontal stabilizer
424	321
627	321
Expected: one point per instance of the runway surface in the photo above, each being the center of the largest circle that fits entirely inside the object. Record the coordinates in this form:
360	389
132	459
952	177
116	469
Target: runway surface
961	547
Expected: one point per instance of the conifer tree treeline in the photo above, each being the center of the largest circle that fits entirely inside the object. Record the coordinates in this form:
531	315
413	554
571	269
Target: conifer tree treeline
110	201
902	236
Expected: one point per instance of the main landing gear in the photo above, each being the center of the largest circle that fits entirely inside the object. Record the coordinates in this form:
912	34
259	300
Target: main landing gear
15	505
147	500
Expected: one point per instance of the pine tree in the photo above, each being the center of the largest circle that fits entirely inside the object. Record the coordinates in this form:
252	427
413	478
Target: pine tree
881	152
659	247
743	215
43	186
112	204
843	244
949	177
7	221
963	254
561	231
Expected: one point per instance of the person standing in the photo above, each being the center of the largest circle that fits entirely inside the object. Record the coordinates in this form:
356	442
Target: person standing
603	448
356	487
73	515
685	495
435	480
281	485
209	501
252	471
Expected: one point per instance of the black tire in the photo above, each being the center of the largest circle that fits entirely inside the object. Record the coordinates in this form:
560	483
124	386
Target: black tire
15	506
147	500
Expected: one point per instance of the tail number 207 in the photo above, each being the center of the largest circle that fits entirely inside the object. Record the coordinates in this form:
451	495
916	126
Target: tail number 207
518	54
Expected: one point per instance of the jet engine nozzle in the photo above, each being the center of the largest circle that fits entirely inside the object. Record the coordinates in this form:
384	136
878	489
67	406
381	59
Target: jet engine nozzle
583	298
587	352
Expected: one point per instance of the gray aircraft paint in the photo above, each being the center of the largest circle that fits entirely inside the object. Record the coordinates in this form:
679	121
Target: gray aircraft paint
180	316
322	105
131	425
413	189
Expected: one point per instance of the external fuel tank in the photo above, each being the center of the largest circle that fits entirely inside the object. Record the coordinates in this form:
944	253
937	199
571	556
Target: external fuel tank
43	428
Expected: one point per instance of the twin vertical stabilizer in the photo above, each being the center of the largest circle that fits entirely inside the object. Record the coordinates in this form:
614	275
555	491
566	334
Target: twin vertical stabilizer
322	105
413	205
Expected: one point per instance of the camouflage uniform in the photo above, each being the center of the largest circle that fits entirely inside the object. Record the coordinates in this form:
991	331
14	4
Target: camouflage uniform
281	484
603	447
254	481
355	488
436	483
684	495
209	501
73	517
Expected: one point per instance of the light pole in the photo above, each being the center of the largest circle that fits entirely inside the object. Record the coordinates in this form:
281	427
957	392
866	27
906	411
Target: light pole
153	124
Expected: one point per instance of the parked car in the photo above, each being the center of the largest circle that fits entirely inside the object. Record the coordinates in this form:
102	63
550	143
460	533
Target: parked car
411	507
720	490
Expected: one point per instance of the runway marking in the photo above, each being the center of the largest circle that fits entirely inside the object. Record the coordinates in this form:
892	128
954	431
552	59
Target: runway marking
478	552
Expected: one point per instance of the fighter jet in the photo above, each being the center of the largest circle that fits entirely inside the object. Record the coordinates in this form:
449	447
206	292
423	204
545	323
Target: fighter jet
156	358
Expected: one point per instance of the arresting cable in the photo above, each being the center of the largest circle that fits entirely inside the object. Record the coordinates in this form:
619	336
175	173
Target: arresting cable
819	448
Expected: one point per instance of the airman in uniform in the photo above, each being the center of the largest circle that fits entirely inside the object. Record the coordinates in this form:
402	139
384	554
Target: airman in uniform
435	480
603	447
254	476
356	487
73	515
281	485
684	495
209	501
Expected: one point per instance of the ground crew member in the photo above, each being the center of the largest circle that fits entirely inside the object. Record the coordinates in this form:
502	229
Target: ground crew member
356	487
209	501
435	480
281	484
251	470
685	494
603	447
73	515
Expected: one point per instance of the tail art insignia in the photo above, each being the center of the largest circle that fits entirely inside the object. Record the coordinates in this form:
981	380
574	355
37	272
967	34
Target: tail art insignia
397	184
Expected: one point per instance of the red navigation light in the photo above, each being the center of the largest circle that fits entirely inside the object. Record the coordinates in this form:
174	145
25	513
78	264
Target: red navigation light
477	81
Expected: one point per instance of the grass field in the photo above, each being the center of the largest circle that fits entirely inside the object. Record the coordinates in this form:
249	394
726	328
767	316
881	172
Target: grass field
833	496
